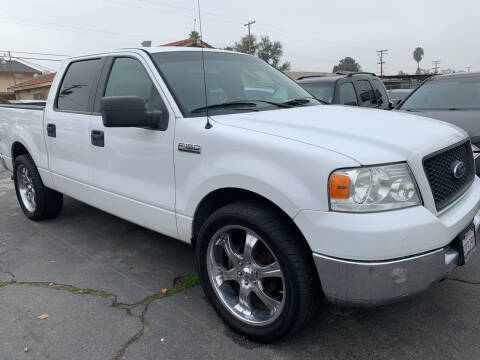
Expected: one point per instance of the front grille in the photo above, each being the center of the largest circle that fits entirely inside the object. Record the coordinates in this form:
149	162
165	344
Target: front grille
439	168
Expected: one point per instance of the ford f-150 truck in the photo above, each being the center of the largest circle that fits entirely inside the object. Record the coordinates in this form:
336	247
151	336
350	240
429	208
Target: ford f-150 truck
283	198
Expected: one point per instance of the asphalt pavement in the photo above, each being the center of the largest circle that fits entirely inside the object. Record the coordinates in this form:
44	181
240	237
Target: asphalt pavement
114	290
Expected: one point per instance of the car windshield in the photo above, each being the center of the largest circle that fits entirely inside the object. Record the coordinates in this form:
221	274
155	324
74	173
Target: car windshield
446	94
321	90
233	82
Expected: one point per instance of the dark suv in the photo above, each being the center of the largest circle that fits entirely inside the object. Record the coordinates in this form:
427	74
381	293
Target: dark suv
357	89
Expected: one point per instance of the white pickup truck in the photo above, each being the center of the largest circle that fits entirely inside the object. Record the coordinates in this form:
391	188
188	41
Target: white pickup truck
283	198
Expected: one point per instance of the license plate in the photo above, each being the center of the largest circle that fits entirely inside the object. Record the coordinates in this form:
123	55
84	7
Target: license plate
466	244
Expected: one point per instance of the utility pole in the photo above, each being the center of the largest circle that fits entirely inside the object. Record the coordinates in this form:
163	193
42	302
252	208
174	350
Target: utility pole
468	68
381	62
10	66
249	35
436	64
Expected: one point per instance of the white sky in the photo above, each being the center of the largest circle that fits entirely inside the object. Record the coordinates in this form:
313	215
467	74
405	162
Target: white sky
315	33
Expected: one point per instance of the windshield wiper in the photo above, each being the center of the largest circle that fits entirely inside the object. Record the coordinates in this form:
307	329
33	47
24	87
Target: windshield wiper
301	101
248	103
226	104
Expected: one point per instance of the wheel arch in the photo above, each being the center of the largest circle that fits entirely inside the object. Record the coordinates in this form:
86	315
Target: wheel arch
19	149
228	195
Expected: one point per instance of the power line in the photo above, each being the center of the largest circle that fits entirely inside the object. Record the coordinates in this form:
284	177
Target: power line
30	58
77	29
41	67
33	53
436	65
381	62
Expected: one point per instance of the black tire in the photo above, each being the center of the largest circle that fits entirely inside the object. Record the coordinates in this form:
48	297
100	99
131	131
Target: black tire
48	203
293	254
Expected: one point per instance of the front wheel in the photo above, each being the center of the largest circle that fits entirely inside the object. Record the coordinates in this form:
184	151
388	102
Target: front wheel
37	201
256	271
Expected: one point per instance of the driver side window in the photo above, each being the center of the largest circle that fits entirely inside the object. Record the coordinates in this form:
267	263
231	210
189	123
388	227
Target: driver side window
129	78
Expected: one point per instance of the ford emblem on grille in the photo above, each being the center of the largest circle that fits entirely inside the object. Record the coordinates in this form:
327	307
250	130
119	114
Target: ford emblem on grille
458	169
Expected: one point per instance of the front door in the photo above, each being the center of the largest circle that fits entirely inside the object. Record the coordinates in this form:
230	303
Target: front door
133	167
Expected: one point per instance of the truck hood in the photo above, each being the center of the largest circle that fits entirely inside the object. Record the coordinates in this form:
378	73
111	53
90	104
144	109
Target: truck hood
368	136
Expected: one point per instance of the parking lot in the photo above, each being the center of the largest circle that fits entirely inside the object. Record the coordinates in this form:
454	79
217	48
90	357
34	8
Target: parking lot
100	280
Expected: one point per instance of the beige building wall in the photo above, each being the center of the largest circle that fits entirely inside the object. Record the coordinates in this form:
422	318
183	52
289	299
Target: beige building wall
38	93
6	80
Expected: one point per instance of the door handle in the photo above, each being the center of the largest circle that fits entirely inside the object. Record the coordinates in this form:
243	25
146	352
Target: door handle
51	130
98	138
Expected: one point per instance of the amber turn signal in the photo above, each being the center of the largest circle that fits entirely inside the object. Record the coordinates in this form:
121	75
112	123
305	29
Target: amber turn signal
339	186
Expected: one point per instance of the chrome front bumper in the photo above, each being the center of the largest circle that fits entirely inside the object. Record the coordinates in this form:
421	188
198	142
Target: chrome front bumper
374	283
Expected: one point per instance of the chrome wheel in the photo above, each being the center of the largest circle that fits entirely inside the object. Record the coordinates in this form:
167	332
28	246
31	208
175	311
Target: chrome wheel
26	188
246	275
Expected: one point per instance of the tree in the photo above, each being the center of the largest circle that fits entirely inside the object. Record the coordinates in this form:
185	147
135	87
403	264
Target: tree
194	34
267	50
242	45
401	73
271	52
418	56
347	64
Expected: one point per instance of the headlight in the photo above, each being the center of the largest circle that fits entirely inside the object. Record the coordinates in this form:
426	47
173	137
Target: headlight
373	188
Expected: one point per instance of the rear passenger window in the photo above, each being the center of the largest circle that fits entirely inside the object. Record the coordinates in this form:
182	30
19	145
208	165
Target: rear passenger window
347	94
77	85
380	93
366	92
129	78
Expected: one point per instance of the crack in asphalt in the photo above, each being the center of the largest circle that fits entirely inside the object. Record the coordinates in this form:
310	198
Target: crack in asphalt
465	281
180	284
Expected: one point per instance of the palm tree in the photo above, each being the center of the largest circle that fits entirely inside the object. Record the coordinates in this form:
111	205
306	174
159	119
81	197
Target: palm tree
194	34
418	56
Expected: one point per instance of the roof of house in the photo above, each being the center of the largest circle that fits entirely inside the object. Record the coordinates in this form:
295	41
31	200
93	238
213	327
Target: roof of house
16	66
190	42
37	81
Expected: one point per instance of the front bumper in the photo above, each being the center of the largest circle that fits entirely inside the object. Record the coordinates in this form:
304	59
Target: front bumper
375	283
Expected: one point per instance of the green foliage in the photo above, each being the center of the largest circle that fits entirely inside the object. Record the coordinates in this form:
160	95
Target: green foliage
401	72
347	64
242	45
418	56
269	51
194	34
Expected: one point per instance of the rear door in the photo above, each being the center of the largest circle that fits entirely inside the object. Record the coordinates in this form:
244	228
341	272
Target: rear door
67	123
133	167
365	93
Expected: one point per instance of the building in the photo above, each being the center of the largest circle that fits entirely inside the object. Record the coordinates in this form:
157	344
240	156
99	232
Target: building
34	89
13	72
191	42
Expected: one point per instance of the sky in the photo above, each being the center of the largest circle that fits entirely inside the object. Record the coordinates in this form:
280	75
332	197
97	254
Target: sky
315	34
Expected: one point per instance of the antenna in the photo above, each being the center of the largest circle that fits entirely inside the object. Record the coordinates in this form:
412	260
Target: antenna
207	125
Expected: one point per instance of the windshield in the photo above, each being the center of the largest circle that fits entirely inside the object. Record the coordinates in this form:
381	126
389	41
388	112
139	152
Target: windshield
445	94
229	78
321	90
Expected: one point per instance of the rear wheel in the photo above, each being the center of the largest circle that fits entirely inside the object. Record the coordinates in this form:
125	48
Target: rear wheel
36	201
256	271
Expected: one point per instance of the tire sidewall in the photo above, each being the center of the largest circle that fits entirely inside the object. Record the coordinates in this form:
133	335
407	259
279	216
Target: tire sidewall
28	164
286	319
